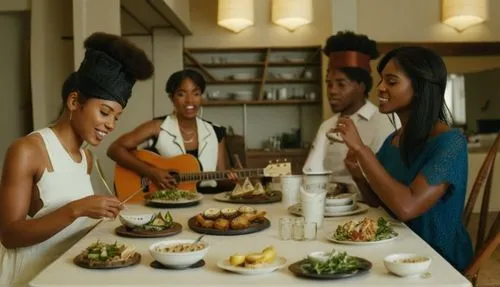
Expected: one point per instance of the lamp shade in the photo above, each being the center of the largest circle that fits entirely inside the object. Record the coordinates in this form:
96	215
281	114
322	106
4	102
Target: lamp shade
292	14
461	14
235	15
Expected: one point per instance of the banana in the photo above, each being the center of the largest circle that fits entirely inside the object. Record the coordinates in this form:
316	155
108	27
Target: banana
237	259
269	254
254	258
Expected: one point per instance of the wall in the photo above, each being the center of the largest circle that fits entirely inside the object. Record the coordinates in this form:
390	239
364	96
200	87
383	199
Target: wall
15	5
481	87
15	110
167	57
419	21
51	57
206	33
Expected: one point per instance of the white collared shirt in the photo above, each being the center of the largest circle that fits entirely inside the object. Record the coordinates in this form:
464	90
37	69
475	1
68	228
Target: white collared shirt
170	142
373	127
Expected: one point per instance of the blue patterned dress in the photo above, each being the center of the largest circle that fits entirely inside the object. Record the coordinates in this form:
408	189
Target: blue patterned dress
443	159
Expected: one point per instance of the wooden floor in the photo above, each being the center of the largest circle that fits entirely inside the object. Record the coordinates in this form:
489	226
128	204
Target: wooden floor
489	276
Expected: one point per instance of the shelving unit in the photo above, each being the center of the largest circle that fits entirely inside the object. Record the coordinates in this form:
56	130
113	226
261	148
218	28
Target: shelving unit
262	74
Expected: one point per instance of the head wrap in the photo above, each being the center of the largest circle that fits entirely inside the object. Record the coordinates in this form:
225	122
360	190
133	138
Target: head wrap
352	59
101	76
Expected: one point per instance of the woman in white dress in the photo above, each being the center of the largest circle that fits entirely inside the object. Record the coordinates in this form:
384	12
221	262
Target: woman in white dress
46	195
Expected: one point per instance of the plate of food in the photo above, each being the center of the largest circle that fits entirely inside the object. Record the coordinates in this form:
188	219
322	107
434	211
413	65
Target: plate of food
253	263
171	198
335	265
100	255
229	221
248	193
159	225
357	208
365	232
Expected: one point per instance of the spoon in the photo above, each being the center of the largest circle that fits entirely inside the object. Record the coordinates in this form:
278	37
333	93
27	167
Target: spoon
197	240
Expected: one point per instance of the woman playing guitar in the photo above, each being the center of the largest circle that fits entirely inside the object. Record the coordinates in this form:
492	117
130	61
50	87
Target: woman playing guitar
181	132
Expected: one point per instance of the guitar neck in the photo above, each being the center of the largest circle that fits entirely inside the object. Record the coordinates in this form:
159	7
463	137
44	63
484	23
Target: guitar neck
218	175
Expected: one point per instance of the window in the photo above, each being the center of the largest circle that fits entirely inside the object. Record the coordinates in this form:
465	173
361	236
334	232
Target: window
454	96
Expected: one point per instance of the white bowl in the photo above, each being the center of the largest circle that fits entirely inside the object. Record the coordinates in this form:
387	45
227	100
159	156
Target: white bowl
319	256
341	199
243	95
395	265
177	259
339	208
134	220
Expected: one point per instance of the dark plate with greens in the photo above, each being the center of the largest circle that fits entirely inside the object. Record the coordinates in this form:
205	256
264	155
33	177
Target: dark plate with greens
338	266
100	255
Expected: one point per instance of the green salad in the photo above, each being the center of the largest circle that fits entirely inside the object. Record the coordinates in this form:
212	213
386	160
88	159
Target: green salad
336	263
365	230
103	252
173	194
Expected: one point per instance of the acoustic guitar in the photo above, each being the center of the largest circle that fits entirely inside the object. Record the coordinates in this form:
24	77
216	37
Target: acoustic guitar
187	172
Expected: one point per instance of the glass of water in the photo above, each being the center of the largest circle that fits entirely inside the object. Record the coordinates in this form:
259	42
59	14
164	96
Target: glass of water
285	228
298	229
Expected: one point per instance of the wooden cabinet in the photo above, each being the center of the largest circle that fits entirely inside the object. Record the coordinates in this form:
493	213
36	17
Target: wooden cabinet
260	158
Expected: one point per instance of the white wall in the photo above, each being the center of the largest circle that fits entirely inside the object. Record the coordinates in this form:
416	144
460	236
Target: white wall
15	110
419	21
51	57
167	57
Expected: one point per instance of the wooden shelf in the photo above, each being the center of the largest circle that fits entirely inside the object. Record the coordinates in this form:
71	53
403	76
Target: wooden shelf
258	81
249	49
257	102
254	64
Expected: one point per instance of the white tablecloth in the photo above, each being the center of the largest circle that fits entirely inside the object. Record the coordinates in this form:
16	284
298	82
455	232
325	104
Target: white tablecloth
64	273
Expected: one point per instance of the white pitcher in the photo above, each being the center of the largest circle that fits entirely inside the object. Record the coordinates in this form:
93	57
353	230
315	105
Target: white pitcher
313	206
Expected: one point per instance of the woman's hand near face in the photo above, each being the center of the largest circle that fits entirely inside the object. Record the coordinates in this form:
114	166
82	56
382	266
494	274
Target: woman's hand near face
349	133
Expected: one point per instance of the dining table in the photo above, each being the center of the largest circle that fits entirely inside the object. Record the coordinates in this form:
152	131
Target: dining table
63	272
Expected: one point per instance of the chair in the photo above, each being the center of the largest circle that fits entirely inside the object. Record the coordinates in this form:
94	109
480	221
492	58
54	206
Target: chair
484	248
235	145
485	173
484	252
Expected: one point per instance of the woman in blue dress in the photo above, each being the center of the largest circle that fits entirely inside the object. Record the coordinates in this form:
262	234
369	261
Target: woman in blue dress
419	174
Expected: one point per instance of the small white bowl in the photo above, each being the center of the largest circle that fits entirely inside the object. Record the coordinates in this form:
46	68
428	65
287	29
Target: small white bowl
319	256
134	220
342	199
177	259
339	208
394	263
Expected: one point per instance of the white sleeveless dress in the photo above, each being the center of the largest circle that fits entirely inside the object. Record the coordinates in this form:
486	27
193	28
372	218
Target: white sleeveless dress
69	181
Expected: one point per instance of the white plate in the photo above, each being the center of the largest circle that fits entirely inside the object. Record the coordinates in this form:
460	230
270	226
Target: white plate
361	207
330	238
198	197
280	262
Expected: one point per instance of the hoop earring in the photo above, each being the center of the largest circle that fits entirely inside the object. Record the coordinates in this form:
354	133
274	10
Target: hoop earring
70	115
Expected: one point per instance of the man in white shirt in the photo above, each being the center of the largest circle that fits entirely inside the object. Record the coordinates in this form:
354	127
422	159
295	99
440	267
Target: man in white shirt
348	83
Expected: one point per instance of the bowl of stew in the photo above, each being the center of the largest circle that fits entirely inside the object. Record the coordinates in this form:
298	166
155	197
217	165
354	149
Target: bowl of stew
407	264
178	253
